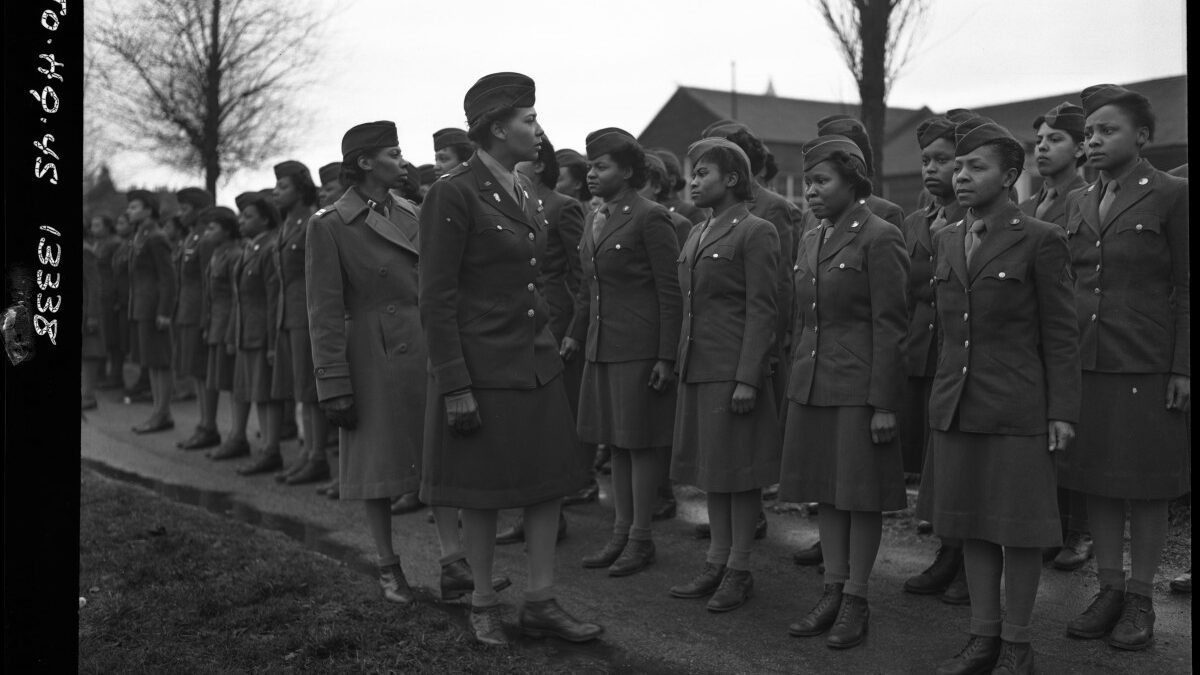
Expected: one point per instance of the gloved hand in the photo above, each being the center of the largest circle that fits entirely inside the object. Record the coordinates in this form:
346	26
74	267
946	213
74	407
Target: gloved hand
341	412
462	412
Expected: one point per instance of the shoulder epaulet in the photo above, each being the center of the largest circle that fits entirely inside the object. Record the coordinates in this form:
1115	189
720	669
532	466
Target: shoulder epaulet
955	223
321	212
459	170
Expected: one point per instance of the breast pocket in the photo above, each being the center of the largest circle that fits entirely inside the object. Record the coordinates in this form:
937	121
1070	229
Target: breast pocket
846	261
721	254
1009	273
1139	224
942	274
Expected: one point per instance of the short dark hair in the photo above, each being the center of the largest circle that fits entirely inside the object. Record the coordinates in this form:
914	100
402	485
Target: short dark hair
109	224
461	151
755	151
224	218
303	182
549	162
578	171
150	204
770	168
352	173
1010	153
265	209
632	157
728	162
659	176
1140	112
854	171
481	131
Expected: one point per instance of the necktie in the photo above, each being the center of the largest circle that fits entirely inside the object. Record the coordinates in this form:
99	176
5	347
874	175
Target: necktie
519	197
1046	202
974	237
1106	202
599	222
826	230
939	221
704	233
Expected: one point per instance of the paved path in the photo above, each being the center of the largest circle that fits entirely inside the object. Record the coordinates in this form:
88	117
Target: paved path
646	627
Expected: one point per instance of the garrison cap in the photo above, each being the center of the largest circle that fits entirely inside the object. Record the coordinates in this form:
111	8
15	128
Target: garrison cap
655	165
852	128
1099	95
496	91
146	197
381	134
444	138
674	168
959	115
704	145
603	141
427	174
222	215
290	168
243	200
1065	116
567	156
198	198
724	128
330	172
933	128
822	148
971	134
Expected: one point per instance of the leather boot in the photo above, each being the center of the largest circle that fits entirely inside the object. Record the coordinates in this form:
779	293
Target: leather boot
514	534
957	592
1100	617
488	624
231	449
456	580
809	556
267	461
1135	630
394	586
937	577
291	469
406	503
850	627
203	438
1075	552
312	472
702	585
587	494
607	555
545	618
155	424
821	617
638	555
977	658
736	588
1016	658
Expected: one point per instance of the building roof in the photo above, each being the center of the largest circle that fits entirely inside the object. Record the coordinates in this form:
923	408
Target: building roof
1168	96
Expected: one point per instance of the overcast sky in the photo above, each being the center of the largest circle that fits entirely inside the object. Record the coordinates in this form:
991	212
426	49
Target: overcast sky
615	63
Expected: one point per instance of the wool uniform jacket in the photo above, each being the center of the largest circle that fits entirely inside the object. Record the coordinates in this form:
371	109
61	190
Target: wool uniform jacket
628	306
120	266
1057	213
291	309
729	281
788	220
886	210
255	292
151	276
485	320
190	260
920	344
562	218
688	210
683	227
851	314
1132	275
219	292
1008	353
361	278
105	248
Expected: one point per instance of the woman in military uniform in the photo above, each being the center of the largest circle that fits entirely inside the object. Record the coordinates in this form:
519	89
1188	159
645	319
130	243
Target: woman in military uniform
121	297
497	417
1058	153
106	240
840	447
627	325
191	260
672	185
152	293
292	376
572	177
1129	236
451	147
221	229
1005	396
935	136
331	184
658	189
726	436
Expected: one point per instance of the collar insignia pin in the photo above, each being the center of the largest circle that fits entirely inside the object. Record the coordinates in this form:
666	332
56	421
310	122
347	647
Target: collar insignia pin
496	197
1143	181
625	210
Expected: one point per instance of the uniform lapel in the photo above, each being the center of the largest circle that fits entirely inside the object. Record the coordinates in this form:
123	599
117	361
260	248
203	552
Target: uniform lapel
493	193
1089	207
956	250
1134	188
923	237
692	245
1005	230
722	226
351	205
620	216
845	231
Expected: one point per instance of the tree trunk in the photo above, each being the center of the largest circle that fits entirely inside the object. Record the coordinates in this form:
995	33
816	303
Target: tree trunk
212	105
872	87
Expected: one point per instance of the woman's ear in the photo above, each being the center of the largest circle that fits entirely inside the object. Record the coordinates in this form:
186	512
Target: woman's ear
366	163
732	179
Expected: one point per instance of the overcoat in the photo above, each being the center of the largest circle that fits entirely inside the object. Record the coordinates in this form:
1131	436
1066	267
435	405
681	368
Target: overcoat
190	260
218	292
688	210
1008	353
920	344
855	278
886	210
289	253
361	281
151	277
628	304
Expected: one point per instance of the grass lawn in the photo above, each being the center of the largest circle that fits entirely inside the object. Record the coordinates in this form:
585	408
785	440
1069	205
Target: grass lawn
175	589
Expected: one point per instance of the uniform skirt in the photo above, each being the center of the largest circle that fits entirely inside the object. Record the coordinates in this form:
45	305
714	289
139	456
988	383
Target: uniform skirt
719	451
220	369
618	407
912	423
252	376
525	453
292	377
829	458
191	354
998	488
1127	444
153	345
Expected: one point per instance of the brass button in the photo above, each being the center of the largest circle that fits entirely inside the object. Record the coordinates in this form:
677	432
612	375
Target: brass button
391	309
964	370
1093	317
1096	291
533	262
530	236
1137	227
1001	275
814	354
966	344
320	371
966	316
814	305
842	266
402	348
1097	243
1097	268
930	326
530	287
529	313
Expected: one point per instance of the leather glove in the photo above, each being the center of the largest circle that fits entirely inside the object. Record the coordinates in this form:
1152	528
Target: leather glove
341	412
462	412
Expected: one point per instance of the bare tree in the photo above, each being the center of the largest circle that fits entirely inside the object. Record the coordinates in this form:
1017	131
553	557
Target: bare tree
876	38
205	85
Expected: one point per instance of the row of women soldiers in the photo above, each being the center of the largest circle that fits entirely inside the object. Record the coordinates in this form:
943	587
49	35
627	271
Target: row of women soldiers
1031	358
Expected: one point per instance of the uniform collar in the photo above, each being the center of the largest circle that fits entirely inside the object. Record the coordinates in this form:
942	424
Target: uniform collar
507	178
